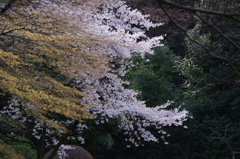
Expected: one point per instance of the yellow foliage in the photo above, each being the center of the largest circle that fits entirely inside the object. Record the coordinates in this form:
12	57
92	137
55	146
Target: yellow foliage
39	56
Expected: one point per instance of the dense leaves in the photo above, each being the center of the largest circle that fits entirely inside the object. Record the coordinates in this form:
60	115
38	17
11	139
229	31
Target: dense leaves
207	84
155	76
60	69
55	72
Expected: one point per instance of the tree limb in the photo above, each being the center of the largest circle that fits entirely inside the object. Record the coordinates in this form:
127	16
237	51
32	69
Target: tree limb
223	139
12	30
56	147
214	27
199	44
192	9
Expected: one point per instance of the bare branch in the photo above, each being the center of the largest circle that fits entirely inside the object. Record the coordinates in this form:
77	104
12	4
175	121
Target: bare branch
185	32
223	139
214	27
196	42
192	9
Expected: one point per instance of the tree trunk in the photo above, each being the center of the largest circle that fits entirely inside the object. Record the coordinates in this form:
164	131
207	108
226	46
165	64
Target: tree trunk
55	149
42	143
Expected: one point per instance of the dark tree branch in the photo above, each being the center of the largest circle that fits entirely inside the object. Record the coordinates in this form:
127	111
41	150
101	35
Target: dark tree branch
199	44
223	139
10	31
192	9
61	141
191	39
233	152
41	147
214	27
55	149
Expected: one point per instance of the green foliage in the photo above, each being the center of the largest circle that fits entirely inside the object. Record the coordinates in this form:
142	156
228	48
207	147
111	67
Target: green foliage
103	135
34	68
7	152
211	94
155	77
208	87
105	140
21	145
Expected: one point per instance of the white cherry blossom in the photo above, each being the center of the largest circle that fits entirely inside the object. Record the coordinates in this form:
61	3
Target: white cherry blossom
119	30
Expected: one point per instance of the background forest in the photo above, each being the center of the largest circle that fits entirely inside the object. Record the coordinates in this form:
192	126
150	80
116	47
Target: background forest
50	75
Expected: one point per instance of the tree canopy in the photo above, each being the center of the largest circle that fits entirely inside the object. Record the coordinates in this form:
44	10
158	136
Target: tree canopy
56	72
123	84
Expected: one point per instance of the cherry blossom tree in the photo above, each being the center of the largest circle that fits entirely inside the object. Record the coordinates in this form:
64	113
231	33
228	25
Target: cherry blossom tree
89	35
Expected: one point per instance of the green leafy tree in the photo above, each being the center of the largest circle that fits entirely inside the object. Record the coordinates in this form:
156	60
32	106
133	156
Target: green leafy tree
211	97
54	67
154	76
22	145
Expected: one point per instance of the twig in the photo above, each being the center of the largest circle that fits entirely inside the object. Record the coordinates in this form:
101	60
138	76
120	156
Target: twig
10	31
194	41
226	6
214	27
229	15
223	139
